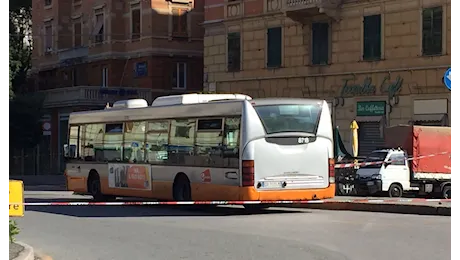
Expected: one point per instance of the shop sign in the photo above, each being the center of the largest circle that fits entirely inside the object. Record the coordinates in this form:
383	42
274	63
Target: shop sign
367	88
370	108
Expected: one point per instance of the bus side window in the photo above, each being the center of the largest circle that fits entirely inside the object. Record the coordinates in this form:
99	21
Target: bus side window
91	140
231	141
134	142
157	141
208	144
181	142
113	142
72	148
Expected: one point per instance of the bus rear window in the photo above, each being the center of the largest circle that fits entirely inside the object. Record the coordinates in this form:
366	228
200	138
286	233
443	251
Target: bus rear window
289	118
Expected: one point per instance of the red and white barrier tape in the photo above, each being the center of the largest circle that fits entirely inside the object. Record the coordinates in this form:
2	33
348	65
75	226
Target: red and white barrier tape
138	203
351	165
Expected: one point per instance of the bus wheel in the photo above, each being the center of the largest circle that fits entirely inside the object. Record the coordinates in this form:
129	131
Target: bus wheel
181	188
94	187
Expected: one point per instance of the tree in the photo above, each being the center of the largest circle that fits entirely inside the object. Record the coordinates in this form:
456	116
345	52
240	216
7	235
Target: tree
20	43
25	108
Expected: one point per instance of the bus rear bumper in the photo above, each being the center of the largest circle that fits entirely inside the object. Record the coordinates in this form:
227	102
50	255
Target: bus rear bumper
251	193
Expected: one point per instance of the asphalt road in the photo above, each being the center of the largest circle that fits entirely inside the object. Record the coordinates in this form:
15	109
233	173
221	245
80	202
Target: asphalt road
222	233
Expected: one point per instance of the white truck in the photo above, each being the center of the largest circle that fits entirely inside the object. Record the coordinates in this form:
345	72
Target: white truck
418	161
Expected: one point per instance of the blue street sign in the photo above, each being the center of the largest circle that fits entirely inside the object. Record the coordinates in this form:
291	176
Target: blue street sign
447	78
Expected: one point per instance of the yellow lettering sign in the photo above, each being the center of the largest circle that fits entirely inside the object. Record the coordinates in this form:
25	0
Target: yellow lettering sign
16	198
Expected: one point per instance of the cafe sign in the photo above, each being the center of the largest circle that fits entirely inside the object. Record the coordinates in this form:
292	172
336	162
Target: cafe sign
367	88
370	108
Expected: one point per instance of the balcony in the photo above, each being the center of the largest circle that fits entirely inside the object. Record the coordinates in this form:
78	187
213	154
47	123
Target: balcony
301	10
73	55
91	95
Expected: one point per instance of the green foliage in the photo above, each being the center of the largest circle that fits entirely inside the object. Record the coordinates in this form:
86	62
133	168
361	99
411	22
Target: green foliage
25	125
19	46
14	230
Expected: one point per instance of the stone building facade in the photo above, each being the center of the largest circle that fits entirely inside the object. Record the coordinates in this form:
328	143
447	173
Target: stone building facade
381	62
88	53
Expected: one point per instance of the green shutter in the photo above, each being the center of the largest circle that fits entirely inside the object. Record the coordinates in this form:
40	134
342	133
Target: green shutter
233	52
372	49
432	31
320	43
274	47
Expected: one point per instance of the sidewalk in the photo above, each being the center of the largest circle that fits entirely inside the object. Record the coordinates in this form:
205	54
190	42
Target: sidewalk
20	251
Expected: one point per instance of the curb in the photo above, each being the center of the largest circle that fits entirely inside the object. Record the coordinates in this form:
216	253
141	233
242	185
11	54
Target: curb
26	254
383	208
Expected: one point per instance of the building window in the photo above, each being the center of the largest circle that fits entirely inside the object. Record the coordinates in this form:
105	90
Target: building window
48	37
99	28
48	2
140	69
432	31
372	37
105	77
135	22
77	34
179	22
179	80
320	43
274	47
74	77
234	52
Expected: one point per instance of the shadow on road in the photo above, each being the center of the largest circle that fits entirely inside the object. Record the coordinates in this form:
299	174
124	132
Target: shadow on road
96	211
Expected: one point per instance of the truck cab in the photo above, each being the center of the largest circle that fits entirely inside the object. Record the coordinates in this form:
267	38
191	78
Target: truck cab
389	173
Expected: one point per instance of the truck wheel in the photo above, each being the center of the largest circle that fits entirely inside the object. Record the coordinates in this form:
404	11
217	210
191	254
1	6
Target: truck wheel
446	192
395	191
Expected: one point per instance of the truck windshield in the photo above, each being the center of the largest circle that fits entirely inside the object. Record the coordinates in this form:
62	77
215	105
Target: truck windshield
375	157
289	118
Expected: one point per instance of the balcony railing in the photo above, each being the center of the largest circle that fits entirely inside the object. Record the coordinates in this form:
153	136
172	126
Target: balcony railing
73	53
92	95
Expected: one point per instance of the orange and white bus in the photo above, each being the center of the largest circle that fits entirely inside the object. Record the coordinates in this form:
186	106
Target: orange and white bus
206	147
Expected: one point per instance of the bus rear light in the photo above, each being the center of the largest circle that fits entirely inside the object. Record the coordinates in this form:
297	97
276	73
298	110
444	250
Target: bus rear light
331	170
247	173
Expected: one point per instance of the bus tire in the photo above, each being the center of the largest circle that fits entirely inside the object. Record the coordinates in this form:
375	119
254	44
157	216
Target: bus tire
94	188
181	188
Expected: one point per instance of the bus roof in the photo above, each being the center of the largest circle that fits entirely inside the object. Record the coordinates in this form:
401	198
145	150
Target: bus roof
211	109
285	101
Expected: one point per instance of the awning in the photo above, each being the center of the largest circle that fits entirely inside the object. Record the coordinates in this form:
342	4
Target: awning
430	117
368	119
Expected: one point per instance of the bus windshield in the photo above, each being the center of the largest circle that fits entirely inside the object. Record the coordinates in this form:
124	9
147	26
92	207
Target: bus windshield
289	118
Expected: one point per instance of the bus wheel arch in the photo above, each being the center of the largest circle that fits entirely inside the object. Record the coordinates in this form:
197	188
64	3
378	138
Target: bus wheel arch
182	190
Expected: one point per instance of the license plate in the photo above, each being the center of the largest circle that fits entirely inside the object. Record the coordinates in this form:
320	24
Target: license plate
271	184
370	183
